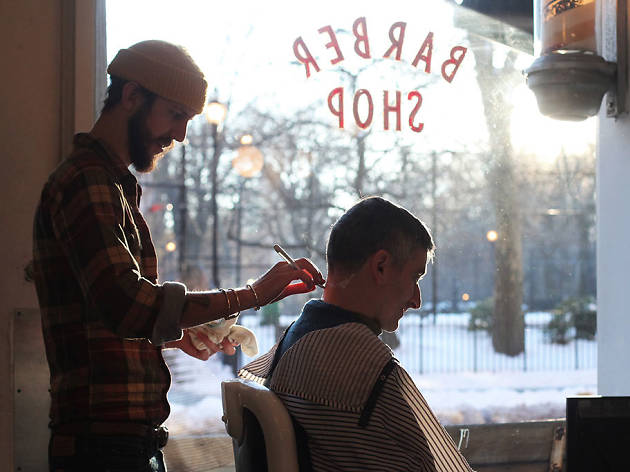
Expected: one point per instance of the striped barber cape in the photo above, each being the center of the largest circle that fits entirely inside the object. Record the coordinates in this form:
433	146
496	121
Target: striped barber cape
355	406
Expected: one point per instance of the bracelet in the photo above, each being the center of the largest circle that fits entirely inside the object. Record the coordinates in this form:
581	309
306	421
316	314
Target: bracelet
238	303
227	299
255	296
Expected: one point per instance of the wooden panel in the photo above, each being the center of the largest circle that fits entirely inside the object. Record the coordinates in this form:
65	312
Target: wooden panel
198	453
514	447
31	398
509	447
534	467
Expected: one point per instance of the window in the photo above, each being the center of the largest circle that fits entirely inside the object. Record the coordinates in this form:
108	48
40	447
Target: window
443	125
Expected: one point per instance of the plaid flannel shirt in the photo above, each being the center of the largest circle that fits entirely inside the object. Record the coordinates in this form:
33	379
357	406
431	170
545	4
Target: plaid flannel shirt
104	317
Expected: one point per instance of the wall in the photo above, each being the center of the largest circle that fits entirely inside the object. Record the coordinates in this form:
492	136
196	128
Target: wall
613	235
29	127
613	257
38	46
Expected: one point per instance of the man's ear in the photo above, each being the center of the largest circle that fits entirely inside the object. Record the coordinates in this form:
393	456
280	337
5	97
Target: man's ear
132	97
379	263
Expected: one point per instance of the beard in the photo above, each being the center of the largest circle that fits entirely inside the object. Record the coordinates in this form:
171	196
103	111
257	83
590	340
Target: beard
141	139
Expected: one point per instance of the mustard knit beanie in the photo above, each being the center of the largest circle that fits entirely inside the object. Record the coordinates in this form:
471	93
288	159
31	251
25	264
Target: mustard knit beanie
164	69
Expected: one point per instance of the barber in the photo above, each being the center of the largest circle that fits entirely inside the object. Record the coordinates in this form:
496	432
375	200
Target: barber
105	317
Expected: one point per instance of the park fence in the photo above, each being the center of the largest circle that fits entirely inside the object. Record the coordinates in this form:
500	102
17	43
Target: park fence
426	344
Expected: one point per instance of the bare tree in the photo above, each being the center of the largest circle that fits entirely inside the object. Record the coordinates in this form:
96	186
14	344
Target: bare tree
495	83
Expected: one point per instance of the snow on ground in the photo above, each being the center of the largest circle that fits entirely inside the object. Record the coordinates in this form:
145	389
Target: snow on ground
460	398
485	397
196	406
501	390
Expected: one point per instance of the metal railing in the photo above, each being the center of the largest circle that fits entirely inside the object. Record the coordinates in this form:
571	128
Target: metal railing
446	344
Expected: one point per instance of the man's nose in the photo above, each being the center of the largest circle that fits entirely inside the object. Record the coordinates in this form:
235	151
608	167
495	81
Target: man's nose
416	300
179	132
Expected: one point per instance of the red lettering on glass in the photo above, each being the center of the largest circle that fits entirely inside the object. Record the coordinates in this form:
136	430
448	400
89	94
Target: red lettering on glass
306	58
332	43
338	112
387	109
396	42
355	109
417	128
362	49
362	37
455	61
427	44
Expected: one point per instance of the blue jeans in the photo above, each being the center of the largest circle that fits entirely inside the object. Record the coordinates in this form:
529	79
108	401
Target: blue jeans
97	453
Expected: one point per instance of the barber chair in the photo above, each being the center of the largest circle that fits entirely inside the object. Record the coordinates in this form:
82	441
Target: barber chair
260	426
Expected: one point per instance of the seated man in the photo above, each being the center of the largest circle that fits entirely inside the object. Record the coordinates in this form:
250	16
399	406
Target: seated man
353	406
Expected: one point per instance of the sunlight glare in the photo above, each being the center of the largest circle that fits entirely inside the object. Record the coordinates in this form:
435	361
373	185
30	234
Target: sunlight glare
535	134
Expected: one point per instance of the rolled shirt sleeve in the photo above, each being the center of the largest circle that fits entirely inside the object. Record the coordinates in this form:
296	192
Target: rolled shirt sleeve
167	326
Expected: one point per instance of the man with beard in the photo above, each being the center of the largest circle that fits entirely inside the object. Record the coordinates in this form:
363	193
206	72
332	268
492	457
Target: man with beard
354	407
105	318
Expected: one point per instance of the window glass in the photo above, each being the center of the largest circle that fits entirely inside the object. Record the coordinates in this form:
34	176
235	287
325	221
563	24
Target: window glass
444	125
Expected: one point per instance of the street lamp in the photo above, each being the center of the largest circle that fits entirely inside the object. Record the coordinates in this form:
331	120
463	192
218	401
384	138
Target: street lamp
492	236
215	114
249	160
247	163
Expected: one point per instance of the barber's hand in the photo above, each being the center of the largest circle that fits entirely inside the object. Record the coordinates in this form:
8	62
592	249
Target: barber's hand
187	346
276	283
